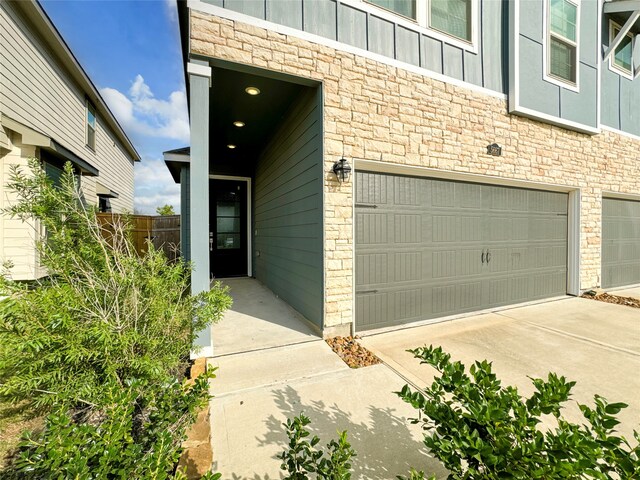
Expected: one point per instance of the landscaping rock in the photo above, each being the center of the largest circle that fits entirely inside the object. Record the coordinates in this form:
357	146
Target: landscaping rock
351	352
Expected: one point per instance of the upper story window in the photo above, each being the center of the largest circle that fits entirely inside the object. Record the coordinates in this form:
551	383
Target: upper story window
406	8
452	21
91	126
562	40
622	58
453	17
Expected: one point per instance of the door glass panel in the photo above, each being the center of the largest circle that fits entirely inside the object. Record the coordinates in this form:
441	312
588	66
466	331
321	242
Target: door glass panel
228	209
228	225
227	241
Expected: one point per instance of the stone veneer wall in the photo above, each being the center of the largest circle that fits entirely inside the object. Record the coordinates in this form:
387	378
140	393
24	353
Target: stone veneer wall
379	112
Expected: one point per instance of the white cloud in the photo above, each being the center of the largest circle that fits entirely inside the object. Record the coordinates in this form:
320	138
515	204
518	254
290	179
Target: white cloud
141	113
171	10
154	187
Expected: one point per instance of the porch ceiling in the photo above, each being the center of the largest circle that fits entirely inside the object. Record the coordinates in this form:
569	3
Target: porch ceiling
262	114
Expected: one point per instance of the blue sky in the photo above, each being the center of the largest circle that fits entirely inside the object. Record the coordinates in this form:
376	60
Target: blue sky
131	51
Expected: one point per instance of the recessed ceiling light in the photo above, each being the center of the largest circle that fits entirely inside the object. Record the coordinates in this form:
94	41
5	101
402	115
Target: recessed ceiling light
252	90
238	124
231	146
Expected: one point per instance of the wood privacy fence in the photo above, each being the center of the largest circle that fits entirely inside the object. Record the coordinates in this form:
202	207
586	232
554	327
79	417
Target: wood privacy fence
163	231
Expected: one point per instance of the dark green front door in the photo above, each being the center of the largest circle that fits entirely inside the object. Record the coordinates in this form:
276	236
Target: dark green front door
228	228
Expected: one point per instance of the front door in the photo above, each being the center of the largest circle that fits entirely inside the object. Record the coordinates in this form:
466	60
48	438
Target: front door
228	227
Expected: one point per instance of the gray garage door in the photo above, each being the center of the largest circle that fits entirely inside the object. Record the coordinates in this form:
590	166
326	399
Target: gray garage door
429	248
620	242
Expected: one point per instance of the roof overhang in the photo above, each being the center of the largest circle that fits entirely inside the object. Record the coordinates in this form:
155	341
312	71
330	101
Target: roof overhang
176	160
105	192
38	139
45	27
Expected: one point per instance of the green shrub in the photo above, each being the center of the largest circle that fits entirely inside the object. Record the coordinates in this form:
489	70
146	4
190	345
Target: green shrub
481	430
103	316
135	434
302	458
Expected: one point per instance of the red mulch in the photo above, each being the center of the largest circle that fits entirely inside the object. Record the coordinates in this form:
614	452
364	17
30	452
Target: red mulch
351	352
606	297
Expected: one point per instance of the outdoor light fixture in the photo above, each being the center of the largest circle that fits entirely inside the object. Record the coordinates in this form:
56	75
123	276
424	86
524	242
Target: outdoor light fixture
231	146
494	149
238	124
252	90
342	169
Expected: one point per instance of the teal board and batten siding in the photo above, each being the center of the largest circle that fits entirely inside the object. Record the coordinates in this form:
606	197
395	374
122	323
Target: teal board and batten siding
360	26
620	242
620	108
534	92
428	248
287	203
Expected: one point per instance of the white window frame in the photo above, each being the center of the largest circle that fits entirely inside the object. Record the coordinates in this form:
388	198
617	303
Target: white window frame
546	50
612	64
423	9
89	105
448	38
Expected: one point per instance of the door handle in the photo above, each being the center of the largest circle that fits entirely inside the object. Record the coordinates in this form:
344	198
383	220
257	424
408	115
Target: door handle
488	256
482	256
211	241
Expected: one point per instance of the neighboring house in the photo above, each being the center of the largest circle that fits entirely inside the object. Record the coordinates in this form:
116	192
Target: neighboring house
495	149
50	109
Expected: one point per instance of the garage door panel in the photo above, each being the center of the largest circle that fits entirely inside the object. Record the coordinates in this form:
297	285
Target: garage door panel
455	298
430	248
620	242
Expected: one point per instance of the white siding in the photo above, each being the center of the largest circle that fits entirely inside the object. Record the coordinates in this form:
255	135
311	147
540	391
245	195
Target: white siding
17	238
36	90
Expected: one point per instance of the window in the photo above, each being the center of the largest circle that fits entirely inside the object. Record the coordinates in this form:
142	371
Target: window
91	126
406	8
452	17
621	59
562	53
451	21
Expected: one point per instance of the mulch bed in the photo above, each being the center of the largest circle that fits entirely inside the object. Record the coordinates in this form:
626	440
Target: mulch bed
351	352
608	298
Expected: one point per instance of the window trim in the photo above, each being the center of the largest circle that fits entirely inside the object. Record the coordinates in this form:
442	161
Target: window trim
546	47
89	105
421	24
612	65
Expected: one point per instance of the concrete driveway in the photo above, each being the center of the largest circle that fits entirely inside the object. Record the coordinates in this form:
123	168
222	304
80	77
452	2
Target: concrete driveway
597	344
594	343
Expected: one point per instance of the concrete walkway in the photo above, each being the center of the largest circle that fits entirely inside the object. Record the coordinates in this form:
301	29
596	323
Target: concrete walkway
258	319
271	368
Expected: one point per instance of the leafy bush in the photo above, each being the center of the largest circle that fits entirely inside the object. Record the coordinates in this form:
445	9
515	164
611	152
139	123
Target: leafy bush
302	458
136	434
481	430
104	315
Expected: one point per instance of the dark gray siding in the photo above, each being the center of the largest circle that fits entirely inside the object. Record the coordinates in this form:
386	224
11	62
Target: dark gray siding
362	28
288	210
539	95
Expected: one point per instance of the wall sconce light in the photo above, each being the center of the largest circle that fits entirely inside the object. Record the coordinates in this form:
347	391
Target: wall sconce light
494	149
342	169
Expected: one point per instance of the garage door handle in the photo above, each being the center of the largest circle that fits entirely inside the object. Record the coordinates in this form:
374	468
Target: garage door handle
488	256
482	256
367	291
362	205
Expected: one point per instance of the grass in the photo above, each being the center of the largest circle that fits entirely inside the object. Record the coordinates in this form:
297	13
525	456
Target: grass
14	419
